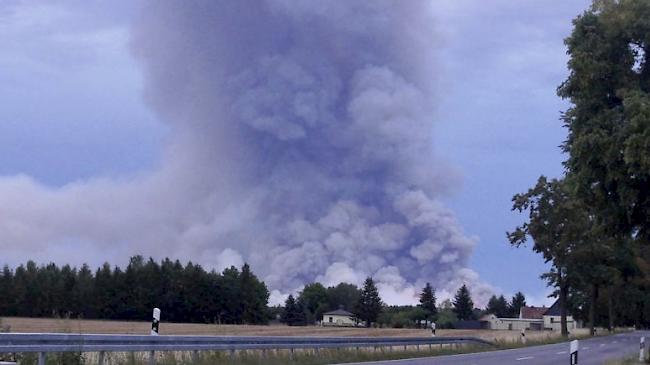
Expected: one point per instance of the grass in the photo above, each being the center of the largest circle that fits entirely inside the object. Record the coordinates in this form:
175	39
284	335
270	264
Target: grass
40	325
628	361
280	357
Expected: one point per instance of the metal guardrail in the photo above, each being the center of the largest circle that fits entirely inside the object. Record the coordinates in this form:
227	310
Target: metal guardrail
43	343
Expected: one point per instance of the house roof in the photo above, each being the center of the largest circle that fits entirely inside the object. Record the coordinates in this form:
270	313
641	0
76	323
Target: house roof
532	312
339	312
554	310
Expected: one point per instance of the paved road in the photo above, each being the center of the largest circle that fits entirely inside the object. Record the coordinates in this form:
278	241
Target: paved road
594	351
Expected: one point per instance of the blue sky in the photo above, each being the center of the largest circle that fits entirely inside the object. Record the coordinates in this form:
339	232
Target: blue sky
73	109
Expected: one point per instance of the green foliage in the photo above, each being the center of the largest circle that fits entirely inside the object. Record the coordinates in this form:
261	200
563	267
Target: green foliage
593	225
314	298
369	305
183	293
343	295
446	319
498	306
463	304
428	302
294	312
518	301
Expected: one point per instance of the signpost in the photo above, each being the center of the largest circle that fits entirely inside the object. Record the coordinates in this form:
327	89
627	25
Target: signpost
574	352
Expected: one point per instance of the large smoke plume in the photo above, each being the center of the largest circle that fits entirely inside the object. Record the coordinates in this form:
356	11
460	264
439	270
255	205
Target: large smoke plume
301	142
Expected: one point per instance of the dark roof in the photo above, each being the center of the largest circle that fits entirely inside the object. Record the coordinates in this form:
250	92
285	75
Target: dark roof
339	312
532	312
554	310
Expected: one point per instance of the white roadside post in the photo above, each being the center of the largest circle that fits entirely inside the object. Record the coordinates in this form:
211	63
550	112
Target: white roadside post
642	349
523	336
155	326
574	352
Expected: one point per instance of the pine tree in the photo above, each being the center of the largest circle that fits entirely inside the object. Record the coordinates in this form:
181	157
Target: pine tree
294	313
518	301
498	306
370	304
428	302
254	296
463	304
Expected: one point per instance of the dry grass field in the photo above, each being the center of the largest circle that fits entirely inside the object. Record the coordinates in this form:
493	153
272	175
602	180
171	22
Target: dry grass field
32	325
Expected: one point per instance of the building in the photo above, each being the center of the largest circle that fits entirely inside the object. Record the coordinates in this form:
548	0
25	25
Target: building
552	319
340	318
530	318
512	324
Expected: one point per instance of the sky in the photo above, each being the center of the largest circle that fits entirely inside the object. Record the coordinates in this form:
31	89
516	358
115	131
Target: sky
115	141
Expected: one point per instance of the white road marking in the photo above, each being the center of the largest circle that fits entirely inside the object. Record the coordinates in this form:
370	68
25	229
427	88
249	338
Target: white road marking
561	352
525	358
602	344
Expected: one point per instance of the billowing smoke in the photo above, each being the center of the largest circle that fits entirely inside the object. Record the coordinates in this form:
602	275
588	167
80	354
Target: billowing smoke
301	142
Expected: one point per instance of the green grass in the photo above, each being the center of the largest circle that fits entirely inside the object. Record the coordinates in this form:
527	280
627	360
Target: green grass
628	361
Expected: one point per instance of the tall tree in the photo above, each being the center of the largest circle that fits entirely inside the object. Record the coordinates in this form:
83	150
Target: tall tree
314	297
608	145
517	301
428	302
343	295
294	312
557	224
255	297
498	306
463	304
369	306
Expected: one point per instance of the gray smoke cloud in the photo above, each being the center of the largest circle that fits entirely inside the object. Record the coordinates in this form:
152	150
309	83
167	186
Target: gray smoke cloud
301	142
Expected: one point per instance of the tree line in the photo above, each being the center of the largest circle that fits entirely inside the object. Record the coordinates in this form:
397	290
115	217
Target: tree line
593	224
369	309
188	293
184	293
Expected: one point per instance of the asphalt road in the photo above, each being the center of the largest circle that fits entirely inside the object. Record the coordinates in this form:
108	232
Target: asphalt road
594	351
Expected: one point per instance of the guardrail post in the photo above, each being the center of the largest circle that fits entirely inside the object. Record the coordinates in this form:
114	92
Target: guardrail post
41	358
573	351
155	322
642	349
100	358
152	358
291	353
195	356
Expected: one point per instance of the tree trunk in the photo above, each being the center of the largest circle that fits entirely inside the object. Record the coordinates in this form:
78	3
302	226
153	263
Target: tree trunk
592	309
563	310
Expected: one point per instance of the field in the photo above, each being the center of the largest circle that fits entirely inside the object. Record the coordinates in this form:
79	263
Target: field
32	325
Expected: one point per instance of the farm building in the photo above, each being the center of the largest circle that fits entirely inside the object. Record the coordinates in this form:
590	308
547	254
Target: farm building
530	318
339	317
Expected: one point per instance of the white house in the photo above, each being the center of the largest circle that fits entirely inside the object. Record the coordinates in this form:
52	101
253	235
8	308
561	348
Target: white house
530	318
552	319
339	317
